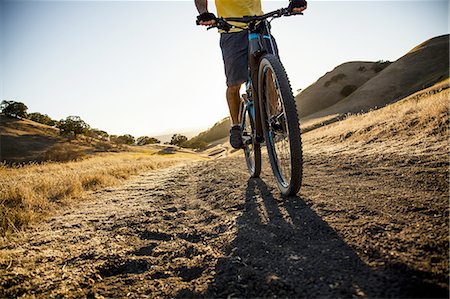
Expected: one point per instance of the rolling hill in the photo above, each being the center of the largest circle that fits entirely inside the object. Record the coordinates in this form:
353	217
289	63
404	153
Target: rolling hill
420	68
334	85
24	141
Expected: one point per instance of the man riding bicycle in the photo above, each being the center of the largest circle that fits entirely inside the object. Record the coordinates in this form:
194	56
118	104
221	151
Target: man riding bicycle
234	45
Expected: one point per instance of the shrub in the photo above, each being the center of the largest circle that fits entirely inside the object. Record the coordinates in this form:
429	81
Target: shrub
143	140
123	139
348	90
178	139
97	134
380	65
196	144
41	118
335	79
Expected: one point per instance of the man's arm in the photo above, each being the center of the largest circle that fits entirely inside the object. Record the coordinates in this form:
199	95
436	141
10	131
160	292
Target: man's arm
202	6
205	18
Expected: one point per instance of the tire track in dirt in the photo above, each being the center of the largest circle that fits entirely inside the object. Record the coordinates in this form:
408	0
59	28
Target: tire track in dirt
360	228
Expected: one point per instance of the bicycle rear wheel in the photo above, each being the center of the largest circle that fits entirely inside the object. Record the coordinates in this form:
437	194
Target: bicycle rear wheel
280	124
252	148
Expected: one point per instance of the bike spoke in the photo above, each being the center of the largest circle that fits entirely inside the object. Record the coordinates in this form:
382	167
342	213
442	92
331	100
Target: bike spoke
277	126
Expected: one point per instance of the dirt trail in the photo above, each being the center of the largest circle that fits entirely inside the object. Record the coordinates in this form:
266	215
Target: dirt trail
360	228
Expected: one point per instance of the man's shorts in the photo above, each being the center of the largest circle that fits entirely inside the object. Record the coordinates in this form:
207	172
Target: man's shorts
235	56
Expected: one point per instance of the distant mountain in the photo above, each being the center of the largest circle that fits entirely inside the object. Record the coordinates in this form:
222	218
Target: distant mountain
420	68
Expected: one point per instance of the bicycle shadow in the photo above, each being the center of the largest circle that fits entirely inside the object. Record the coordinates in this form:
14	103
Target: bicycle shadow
284	249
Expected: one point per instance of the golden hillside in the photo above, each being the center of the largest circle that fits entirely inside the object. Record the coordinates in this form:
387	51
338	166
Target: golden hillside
417	124
25	140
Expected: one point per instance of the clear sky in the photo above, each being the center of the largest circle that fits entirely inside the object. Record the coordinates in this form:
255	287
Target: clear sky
144	68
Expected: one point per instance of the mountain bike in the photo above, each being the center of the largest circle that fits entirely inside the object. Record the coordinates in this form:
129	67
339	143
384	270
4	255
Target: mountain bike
268	112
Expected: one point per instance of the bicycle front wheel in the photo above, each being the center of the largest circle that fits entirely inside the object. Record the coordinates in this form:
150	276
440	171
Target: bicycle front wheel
280	124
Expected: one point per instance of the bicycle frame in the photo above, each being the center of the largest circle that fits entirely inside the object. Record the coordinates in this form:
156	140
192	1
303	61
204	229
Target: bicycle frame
260	33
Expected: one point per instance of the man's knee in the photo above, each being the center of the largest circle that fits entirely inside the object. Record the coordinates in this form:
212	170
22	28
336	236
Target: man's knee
234	88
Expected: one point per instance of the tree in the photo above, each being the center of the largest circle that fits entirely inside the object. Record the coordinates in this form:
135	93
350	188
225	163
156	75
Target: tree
41	118
143	140
113	138
178	139
380	65
98	134
127	139
196	144
14	109
123	139
73	125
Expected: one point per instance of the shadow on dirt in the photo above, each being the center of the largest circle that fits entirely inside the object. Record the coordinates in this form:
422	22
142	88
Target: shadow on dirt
284	249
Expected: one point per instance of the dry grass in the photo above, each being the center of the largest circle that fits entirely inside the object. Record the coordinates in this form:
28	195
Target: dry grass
64	152
419	122
30	192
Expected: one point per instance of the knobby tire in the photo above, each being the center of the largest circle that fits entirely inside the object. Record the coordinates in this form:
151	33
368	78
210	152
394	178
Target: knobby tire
291	186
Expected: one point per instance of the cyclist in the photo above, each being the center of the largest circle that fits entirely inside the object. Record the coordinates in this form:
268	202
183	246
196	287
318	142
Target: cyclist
234	45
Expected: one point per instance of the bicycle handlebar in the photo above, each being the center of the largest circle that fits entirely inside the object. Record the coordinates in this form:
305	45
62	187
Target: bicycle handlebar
222	23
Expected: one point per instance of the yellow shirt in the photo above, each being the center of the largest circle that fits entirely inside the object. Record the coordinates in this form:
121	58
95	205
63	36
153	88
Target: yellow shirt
237	9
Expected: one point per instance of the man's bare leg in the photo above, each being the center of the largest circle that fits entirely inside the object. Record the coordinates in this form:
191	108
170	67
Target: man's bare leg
234	100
